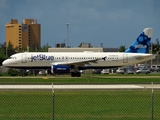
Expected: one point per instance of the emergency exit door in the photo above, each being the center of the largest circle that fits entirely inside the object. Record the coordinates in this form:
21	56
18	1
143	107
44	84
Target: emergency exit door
24	58
125	58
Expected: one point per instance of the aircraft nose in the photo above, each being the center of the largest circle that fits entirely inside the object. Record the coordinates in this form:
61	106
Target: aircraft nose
4	63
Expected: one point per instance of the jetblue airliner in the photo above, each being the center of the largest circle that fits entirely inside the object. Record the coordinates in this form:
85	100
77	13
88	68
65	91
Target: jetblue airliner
72	62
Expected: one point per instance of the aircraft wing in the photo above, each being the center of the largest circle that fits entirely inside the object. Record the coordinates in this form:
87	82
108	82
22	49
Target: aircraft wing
80	62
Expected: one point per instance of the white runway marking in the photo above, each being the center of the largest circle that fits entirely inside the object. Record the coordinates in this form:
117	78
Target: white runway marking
71	87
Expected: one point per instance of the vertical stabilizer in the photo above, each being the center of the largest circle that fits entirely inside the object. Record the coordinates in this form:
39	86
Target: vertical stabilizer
142	43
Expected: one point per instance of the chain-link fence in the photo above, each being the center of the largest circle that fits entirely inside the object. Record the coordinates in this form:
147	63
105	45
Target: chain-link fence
79	105
25	105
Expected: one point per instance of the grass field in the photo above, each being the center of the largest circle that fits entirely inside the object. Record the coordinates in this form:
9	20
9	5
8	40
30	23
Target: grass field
79	105
25	105
84	79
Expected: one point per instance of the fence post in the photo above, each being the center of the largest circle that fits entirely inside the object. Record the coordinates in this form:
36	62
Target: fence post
152	103
52	102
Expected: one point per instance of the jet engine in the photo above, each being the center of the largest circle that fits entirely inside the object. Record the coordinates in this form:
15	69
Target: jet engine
60	69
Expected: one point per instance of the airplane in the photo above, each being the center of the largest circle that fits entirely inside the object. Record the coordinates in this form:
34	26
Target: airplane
73	62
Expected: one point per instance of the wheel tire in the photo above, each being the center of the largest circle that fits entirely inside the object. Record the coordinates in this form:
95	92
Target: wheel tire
73	74
78	74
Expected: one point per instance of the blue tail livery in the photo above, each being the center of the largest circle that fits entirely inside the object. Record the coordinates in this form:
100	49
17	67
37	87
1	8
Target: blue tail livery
142	43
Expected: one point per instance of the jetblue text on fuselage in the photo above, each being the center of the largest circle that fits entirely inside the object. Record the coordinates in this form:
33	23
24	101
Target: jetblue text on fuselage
41	57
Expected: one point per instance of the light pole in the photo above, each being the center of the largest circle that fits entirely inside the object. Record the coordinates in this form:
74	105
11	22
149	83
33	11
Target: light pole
151	53
67	39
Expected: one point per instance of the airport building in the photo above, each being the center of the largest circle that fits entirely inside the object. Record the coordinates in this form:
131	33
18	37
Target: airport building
74	49
99	49
61	47
23	35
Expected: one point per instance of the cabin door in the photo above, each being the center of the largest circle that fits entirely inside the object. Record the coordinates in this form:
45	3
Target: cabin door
24	58
125	58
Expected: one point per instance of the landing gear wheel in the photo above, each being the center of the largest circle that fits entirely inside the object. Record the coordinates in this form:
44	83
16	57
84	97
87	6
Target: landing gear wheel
75	74
78	74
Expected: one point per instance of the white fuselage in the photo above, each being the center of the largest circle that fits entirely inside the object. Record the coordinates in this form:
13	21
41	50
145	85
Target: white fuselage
47	59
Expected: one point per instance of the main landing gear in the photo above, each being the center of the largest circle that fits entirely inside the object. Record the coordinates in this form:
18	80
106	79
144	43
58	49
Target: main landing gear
75	74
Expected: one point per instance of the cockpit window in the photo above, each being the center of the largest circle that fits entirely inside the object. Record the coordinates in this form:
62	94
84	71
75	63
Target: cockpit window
12	58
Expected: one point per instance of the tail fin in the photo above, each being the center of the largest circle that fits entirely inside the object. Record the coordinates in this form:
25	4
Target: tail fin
142	43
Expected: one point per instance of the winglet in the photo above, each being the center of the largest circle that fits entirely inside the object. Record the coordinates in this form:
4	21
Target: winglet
142	43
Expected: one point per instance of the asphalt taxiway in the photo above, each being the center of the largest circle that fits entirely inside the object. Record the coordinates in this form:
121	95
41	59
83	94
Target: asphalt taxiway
82	87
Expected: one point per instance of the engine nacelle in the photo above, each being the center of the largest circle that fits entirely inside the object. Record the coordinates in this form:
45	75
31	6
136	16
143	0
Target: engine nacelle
60	69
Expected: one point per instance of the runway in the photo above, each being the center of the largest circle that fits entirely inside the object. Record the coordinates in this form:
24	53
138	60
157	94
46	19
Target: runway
82	87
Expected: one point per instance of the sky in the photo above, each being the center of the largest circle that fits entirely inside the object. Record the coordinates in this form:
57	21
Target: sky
110	22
